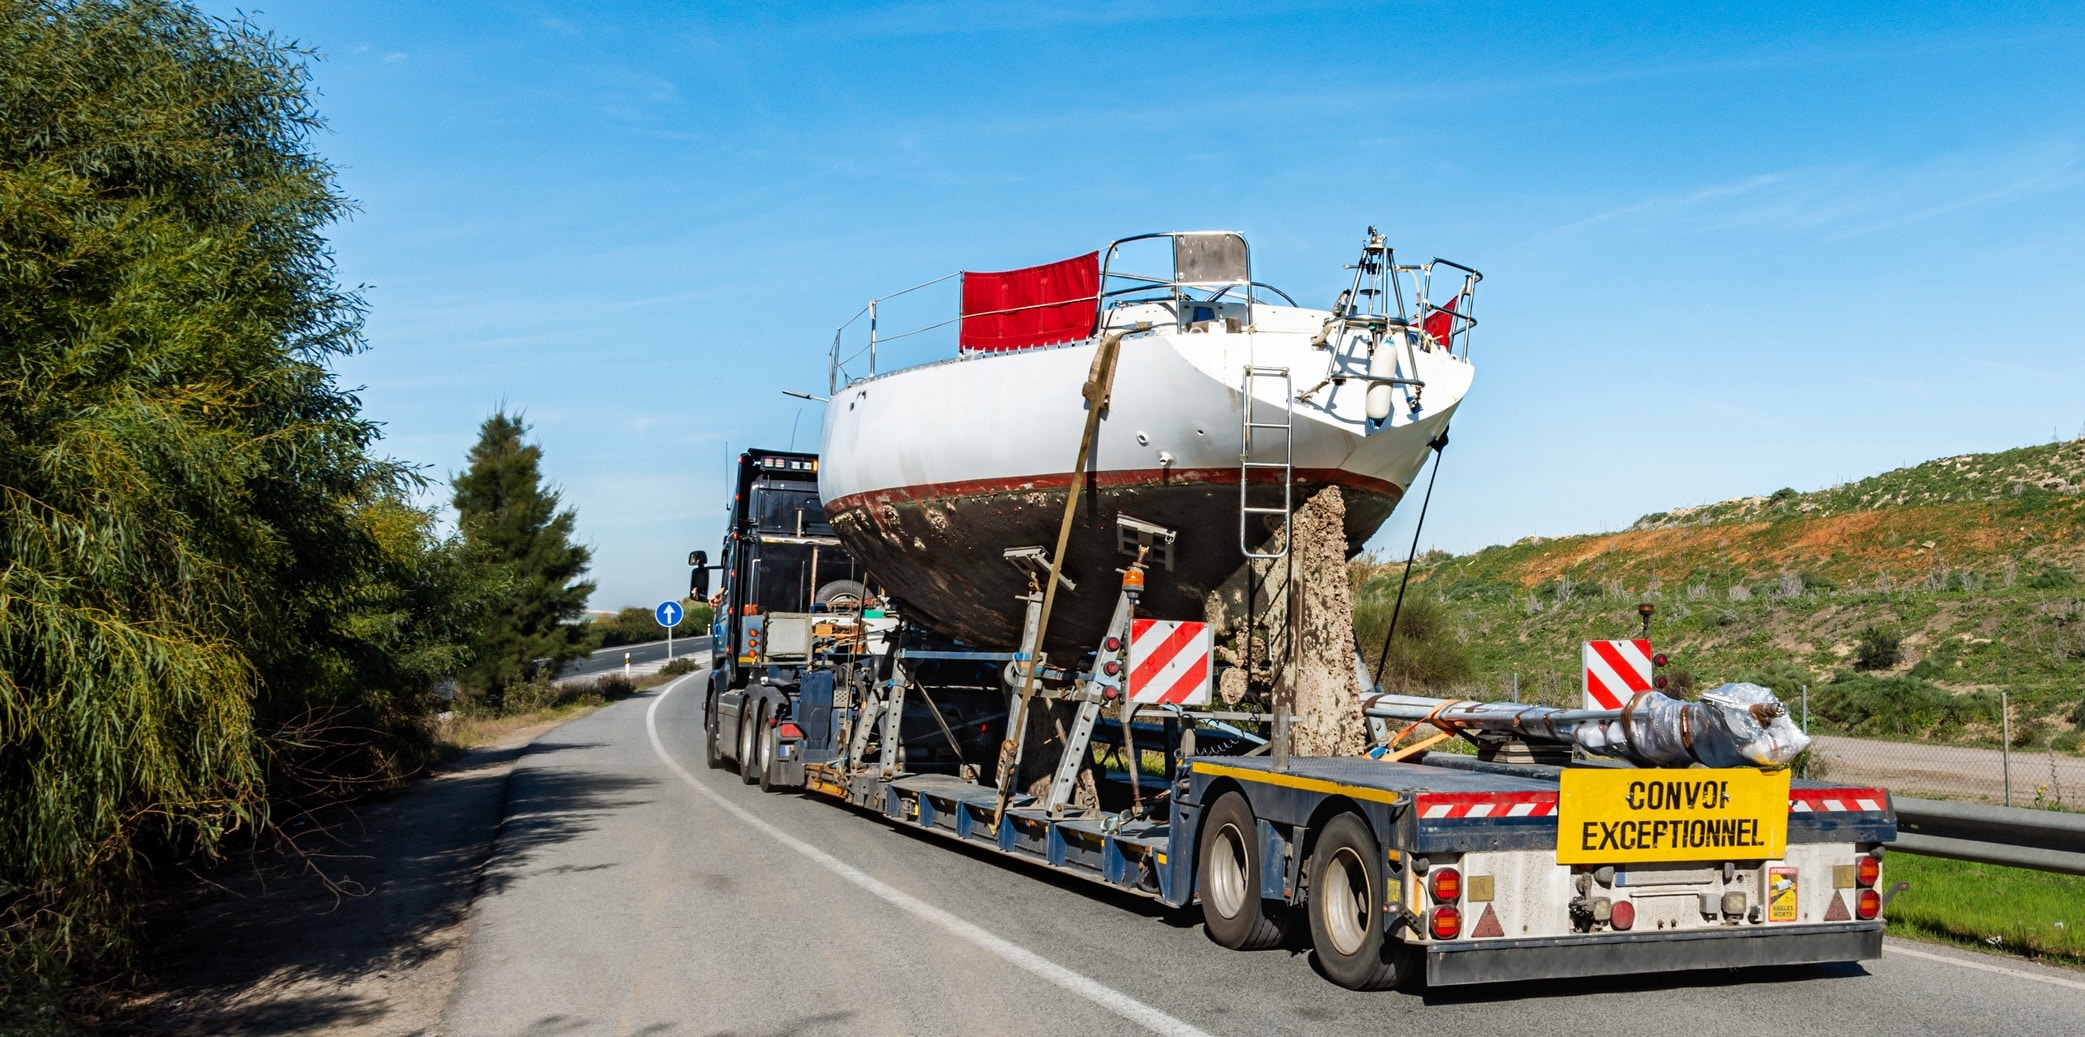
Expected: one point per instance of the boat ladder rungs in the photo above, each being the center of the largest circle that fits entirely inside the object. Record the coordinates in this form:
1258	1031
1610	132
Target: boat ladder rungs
1248	461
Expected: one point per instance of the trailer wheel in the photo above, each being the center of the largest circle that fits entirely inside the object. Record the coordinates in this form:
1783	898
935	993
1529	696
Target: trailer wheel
1233	912
750	717
1346	897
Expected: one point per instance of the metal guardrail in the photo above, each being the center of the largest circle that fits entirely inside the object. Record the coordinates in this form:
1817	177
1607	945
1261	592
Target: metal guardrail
2045	840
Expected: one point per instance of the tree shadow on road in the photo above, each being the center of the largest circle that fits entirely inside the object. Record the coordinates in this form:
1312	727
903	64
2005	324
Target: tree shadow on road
350	935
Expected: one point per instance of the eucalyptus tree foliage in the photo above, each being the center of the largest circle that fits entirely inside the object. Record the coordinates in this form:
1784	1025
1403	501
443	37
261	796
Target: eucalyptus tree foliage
208	582
512	526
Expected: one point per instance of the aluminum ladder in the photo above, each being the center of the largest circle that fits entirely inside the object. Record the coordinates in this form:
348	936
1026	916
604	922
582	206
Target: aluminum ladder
1248	462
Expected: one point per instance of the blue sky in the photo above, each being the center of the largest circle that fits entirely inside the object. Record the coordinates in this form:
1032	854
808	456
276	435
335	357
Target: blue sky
1727	248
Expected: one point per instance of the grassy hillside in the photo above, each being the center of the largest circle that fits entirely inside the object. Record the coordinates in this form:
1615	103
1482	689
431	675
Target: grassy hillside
1969	567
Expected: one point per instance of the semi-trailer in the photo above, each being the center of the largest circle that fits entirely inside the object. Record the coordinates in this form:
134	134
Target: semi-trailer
1412	864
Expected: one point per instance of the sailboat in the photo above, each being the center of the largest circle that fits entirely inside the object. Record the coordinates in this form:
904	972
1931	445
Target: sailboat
1229	405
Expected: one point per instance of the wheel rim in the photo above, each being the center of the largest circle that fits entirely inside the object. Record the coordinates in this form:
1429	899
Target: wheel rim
767	750
745	745
1343	901
1227	862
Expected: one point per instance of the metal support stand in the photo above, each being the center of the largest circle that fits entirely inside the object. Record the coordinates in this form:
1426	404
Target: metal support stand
1018	674
893	719
1091	693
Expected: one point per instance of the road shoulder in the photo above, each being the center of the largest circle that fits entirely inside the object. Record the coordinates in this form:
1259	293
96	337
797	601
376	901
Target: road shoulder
362	938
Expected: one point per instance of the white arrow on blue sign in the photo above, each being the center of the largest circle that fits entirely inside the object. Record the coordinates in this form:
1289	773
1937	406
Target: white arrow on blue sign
668	614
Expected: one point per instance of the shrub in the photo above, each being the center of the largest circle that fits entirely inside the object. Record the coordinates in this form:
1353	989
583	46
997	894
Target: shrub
676	667
1424	655
635	626
2051	577
1783	677
1877	647
1901	707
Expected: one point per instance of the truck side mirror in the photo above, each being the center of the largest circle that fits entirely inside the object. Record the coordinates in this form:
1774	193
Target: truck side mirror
698	580
698	559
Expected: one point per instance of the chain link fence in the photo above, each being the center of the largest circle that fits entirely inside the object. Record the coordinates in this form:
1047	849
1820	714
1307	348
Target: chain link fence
2040	778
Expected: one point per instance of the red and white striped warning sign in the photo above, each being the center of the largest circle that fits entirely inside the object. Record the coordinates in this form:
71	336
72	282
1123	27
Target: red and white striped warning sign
1434	806
1615	671
1836	801
1170	662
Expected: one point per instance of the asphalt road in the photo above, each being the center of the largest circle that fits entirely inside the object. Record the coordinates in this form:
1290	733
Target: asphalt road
608	659
635	891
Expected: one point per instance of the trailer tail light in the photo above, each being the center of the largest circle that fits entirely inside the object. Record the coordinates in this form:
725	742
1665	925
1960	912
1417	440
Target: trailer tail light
1445	922
1623	916
1867	905
1867	872
788	730
1444	885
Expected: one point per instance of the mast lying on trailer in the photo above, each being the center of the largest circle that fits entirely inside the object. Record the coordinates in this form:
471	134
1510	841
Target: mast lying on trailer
1735	725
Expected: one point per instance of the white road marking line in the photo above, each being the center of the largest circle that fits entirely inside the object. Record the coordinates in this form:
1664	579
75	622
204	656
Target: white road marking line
1983	966
1028	961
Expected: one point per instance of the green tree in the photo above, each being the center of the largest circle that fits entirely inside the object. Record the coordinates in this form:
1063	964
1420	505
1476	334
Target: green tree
512	526
212	593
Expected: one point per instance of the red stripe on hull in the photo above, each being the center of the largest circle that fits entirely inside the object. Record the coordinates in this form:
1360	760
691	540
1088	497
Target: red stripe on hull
1112	479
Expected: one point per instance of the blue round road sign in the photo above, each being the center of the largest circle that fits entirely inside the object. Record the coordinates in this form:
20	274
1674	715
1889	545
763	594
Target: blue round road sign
668	614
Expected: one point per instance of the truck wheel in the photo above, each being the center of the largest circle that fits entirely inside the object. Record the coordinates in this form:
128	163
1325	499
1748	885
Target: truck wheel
749	721
1346	898
713	751
1229	880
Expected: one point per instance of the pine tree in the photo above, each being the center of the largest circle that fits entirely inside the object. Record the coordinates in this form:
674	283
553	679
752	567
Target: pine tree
511	525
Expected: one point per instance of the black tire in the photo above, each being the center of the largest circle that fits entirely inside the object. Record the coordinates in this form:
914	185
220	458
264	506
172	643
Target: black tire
764	741
749	723
1227	879
1346	917
713	750
841	594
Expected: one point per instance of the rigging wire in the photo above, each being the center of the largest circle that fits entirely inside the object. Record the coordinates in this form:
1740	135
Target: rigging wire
1438	443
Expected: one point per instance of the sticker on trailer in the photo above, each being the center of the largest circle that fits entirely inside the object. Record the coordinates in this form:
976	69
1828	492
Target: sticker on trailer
1615	671
1170	662
1780	895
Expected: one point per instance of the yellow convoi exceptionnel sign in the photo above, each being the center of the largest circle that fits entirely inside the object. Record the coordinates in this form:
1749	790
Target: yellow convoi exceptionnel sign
1620	816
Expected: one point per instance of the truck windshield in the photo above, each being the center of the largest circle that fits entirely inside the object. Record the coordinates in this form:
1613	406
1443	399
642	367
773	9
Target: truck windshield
789	509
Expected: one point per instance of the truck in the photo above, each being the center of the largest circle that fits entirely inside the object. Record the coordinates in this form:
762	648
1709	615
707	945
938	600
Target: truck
789	595
1413	864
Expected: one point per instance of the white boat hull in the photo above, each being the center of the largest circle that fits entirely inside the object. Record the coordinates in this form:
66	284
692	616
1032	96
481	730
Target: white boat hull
930	474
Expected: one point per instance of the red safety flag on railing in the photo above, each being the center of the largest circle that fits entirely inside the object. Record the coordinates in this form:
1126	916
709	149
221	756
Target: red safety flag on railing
1035	306
1441	322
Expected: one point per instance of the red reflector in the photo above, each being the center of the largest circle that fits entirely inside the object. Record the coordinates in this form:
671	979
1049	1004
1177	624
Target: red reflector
791	731
1867	871
1623	916
1446	923
1659	659
1111	667
1113	644
1445	885
1867	905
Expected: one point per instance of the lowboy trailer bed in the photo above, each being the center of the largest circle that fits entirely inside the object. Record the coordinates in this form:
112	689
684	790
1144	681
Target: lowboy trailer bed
1447	865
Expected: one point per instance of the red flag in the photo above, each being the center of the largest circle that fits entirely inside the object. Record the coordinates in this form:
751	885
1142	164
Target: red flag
1441	322
1034	306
